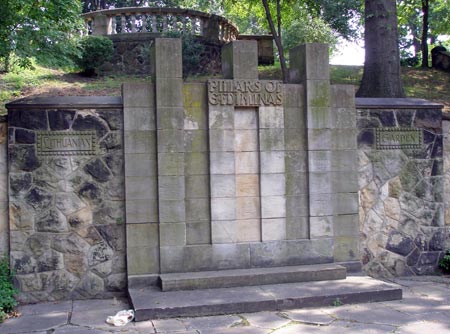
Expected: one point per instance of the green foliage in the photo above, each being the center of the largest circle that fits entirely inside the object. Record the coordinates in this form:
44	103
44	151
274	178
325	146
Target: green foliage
341	16
192	52
444	263
337	302
308	31
410	21
95	51
39	29
7	290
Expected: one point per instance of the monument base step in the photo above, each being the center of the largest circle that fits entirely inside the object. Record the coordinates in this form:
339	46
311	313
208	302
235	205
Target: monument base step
152	303
250	277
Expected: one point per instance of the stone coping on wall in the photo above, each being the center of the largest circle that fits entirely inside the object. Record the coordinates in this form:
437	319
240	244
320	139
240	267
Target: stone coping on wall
46	102
394	103
257	37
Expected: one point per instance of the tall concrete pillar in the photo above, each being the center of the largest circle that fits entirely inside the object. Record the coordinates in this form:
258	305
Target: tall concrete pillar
333	200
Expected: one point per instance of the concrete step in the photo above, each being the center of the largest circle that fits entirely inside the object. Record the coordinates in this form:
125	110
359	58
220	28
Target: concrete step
250	277
152	303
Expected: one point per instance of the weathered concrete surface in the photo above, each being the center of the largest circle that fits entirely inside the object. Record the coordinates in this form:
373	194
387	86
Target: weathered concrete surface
151	303
251	277
424	309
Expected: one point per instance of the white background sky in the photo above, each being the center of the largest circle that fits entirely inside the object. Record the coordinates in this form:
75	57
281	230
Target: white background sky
348	54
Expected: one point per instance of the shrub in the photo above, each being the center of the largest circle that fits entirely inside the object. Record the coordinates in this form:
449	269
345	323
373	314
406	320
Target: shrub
7	290
444	263
95	51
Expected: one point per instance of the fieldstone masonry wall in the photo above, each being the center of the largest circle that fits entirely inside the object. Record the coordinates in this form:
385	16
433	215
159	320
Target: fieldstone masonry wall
4	230
66	197
446	174
401	186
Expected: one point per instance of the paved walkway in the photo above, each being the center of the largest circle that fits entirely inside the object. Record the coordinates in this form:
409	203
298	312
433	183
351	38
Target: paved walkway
425	309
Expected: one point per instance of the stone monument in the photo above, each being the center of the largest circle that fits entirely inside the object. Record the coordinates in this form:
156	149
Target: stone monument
233	182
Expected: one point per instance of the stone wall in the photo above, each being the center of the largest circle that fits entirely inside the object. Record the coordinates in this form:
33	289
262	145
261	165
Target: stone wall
401	186
66	197
4	230
132	54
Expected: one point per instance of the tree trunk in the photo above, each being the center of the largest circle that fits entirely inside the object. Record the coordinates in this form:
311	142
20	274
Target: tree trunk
381	77
425	12
277	37
416	40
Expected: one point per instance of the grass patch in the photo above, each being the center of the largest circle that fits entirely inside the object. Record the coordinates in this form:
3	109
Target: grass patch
345	75
47	82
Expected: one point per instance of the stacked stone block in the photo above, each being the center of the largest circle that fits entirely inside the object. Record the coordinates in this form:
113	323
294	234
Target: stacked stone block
272	173
296	164
344	174
171	148
331	142
196	164
222	175
141	172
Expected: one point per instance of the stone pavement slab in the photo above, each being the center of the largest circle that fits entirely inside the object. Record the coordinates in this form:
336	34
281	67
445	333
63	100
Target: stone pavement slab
370	314
70	329
266	320
34	323
45	308
418	305
168	325
421	311
220	321
424	327
93	312
316	316
339	327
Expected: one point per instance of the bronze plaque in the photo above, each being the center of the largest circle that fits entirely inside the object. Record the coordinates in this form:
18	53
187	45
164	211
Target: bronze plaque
60	143
245	93
398	138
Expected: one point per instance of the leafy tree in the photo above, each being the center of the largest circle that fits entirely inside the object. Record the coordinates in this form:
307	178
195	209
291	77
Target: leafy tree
93	5
420	23
37	28
381	76
281	16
